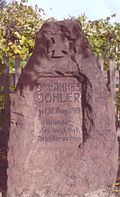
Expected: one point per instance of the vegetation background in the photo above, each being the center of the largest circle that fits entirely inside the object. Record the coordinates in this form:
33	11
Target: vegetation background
20	22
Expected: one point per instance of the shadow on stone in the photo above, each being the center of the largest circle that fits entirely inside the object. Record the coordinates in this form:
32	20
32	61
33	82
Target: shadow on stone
4	137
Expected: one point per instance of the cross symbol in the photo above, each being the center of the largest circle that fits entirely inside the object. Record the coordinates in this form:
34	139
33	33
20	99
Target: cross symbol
58	46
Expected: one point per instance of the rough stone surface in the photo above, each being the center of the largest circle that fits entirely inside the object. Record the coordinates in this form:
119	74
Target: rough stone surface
103	192
62	138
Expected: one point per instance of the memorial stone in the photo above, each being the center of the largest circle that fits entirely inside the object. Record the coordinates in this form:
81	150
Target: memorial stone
62	138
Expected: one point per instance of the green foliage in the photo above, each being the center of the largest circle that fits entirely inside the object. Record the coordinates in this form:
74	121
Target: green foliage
104	38
19	24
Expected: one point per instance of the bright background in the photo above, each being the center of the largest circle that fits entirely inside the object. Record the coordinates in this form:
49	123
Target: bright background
93	9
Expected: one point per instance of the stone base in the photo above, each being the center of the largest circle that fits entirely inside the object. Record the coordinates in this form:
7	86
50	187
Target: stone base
103	192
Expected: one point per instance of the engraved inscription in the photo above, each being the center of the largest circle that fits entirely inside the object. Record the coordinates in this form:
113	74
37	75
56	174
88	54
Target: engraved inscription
58	118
